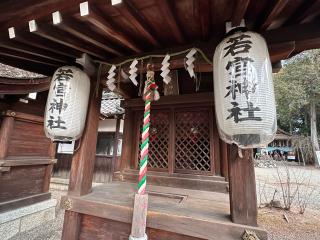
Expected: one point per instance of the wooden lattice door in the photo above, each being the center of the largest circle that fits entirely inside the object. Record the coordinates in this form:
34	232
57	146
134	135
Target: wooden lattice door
192	141
158	140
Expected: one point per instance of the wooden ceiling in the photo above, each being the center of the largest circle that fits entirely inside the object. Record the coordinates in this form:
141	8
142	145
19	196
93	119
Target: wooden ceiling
137	27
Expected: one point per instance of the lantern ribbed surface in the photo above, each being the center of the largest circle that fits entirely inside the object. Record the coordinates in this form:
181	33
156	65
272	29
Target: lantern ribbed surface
243	89
67	104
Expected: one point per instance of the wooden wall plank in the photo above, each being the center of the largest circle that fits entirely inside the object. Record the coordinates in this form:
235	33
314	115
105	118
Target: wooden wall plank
5	134
28	139
21	182
127	143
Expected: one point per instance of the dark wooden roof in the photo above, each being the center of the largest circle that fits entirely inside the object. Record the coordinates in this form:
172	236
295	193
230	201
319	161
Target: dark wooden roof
135	27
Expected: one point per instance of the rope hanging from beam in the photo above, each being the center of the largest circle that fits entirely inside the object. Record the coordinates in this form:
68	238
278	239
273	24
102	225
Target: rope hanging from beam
203	55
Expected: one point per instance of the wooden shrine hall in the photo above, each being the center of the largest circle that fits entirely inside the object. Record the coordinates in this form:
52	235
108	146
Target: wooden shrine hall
198	186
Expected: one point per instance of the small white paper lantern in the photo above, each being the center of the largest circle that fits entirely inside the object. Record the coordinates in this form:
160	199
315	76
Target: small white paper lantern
243	89
67	104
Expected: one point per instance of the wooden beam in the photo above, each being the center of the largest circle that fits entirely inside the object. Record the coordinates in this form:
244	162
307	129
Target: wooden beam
9	88
272	13
297	32
16	46
242	187
131	13
204	7
31	81
27	161
27	10
28	56
281	51
239	11
74	28
306	45
26	117
43	43
68	40
305	13
107	28
166	10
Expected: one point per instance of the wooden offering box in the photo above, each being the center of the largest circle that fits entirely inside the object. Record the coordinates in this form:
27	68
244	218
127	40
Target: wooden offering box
26	160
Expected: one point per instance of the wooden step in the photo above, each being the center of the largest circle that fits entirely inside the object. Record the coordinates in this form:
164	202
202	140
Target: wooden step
181	175
185	181
200	215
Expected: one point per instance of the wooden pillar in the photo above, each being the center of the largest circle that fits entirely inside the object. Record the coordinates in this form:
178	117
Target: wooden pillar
71	226
114	163
214	144
5	134
49	167
224	159
128	129
83	160
82	166
242	184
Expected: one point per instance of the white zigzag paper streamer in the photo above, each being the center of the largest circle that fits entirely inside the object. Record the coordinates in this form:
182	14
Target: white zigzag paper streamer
111	78
189	62
165	69
133	72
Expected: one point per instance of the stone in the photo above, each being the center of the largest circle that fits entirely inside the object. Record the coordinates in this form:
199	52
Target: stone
9	229
21	212
35	219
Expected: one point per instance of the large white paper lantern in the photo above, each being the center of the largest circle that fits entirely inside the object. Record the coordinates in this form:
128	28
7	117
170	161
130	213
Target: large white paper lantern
244	93
67	104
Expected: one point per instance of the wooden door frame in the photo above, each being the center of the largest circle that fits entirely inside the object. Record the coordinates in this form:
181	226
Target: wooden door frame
172	104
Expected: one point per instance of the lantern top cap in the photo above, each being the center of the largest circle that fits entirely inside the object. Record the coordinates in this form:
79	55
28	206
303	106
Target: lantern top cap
236	29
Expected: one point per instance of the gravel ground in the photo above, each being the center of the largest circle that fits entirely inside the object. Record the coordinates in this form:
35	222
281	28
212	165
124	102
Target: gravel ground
299	226
269	180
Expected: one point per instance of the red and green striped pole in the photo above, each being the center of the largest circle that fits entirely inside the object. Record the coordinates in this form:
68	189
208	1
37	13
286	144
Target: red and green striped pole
140	208
144	148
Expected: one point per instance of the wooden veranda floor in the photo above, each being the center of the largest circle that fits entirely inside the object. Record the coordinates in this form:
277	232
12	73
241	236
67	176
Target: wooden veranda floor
199	214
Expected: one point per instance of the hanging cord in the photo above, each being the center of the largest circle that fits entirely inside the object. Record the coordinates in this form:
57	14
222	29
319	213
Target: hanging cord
141	79
78	146
240	152
157	56
96	91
